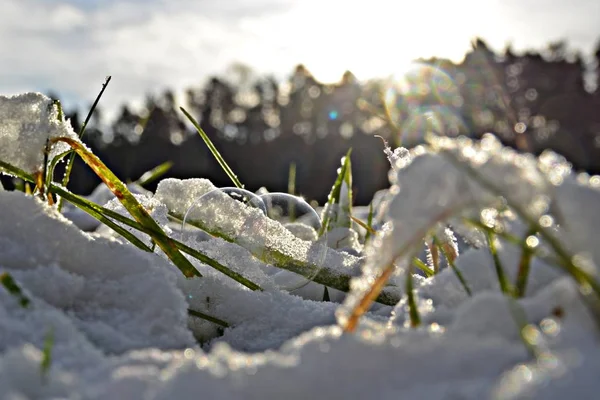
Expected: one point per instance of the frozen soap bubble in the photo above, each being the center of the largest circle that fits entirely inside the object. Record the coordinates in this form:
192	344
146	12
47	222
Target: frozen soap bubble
277	228
219	213
302	221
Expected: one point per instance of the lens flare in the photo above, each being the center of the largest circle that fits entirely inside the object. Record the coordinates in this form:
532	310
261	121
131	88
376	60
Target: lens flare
424	100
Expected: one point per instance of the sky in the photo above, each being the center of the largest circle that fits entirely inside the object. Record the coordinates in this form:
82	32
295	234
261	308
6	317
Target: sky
70	46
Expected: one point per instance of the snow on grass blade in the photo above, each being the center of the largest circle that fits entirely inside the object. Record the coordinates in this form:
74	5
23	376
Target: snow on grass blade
588	285
282	259
154	173
14	289
103	212
214	150
269	241
89	207
338	210
564	257
69	166
520	319
103	215
138	212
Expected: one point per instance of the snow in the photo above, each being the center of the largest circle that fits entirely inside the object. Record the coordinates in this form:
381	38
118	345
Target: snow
27	121
119	317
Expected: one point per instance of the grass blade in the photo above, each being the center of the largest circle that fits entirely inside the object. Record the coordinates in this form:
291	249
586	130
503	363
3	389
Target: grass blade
154	173
207	317
524	265
340	217
589	287
292	179
214	150
69	166
505	286
139	213
368	298
324	276
413	310
370	230
46	362
14	289
423	267
452	265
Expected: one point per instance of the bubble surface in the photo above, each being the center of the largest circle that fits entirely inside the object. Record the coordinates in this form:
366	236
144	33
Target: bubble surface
277	228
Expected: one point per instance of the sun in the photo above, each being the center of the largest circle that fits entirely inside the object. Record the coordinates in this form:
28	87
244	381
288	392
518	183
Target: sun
377	38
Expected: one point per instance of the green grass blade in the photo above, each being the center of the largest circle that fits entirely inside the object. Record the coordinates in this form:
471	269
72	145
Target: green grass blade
99	213
69	167
214	150
292	179
46	362
413	311
50	167
14	289
520	319
60	115
207	317
423	267
340	216
452	265
370	222
154	173
524	265
505	286
139	213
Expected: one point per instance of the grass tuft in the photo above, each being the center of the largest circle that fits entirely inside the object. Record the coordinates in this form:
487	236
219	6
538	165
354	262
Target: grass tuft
122	193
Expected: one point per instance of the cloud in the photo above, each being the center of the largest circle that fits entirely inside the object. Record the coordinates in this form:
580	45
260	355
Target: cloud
145	46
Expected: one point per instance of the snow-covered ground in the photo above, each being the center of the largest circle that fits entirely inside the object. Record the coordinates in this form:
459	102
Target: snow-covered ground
119	319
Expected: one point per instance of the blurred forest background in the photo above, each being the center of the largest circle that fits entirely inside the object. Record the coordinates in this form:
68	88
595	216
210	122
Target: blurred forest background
547	99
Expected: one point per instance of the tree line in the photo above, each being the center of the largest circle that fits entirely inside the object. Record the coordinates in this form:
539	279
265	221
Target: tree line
531	101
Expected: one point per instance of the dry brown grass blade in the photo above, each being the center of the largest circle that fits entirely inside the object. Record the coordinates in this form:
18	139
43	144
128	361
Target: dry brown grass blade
368	298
